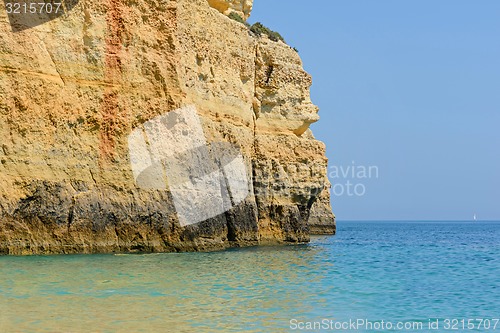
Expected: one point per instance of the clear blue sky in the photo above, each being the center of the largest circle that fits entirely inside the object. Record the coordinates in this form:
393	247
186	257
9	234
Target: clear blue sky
412	87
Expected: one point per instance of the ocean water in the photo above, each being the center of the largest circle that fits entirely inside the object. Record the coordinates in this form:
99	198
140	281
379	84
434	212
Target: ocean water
376	272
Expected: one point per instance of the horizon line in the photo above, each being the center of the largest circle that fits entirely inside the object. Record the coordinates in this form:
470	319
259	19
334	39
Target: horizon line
416	220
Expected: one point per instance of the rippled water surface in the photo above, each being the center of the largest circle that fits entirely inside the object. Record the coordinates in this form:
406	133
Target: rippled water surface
393	271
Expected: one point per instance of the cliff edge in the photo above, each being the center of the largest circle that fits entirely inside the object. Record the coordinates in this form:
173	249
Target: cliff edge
155	126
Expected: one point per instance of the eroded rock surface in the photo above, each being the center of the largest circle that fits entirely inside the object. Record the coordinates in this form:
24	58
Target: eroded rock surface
74	89
241	7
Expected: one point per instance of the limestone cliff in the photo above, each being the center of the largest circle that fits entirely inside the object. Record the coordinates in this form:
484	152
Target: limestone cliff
73	91
241	7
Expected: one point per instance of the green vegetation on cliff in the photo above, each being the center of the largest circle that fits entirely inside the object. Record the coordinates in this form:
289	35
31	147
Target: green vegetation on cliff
258	28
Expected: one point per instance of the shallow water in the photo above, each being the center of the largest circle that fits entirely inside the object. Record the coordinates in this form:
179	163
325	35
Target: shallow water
391	271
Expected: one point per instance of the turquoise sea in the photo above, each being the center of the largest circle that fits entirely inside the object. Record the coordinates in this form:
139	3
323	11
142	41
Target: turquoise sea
391	272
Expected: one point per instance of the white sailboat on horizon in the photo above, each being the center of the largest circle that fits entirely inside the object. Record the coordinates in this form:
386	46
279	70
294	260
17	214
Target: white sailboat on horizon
475	217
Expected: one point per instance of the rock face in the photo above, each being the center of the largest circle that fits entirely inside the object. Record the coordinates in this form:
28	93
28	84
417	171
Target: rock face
74	90
241	7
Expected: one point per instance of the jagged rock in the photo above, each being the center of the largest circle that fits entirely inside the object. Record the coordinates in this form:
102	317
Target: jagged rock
241	7
74	89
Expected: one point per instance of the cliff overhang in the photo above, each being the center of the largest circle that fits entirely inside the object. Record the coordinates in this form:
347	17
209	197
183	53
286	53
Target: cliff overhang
73	92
